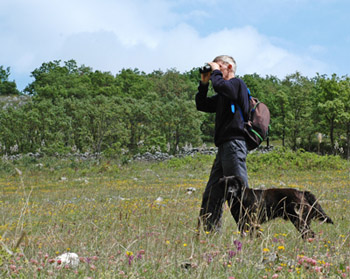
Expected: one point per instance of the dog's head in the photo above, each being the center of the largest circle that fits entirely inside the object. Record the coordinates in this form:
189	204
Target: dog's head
233	184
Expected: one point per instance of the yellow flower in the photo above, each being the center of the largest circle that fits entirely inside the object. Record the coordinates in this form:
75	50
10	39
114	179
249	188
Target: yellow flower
185	244
129	253
280	247
266	250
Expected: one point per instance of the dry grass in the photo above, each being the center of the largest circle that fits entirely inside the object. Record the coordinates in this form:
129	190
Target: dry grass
138	221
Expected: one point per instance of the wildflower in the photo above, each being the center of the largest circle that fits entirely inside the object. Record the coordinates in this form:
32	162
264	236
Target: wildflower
33	261
129	253
266	250
231	254
280	247
210	258
130	258
275	276
318	268
238	245
92	267
185	244
311	261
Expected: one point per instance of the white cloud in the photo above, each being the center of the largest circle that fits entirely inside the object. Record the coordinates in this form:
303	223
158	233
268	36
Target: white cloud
110	35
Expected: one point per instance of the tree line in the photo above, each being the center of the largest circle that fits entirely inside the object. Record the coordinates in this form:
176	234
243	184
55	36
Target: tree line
74	108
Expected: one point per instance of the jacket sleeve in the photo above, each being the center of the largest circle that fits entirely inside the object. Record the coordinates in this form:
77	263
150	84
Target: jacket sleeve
224	87
203	102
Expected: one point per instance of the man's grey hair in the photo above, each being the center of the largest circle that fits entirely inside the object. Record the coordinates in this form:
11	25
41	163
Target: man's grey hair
227	59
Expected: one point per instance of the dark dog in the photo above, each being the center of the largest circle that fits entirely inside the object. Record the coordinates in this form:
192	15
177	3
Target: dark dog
252	207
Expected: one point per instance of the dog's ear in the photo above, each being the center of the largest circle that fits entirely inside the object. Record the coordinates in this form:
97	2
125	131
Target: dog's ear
232	181
232	192
232	187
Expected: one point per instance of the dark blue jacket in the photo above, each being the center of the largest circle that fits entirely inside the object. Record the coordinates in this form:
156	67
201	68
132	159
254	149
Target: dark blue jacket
228	125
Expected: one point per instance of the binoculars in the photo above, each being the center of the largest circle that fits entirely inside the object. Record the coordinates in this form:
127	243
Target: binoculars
205	69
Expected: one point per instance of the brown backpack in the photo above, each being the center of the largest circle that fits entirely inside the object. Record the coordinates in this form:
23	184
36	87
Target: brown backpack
257	126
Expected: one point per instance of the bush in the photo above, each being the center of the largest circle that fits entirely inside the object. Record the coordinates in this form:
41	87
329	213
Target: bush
285	159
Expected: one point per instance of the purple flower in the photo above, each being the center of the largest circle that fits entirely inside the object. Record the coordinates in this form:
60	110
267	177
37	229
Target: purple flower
231	254
131	257
210	258
238	245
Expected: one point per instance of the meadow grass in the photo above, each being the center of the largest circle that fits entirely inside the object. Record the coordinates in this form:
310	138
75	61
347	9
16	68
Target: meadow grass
139	221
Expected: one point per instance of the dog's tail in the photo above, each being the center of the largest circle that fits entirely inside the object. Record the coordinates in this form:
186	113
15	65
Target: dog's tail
318	212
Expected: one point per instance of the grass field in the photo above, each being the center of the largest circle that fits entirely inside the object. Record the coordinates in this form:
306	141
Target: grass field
139	221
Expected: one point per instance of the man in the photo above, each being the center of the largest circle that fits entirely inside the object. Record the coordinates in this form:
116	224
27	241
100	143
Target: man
231	105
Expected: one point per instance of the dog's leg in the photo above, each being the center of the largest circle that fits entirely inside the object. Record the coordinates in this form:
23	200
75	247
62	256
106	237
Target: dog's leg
211	210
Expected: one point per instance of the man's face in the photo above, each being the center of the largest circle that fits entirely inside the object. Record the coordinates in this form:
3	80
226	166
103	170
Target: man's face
225	69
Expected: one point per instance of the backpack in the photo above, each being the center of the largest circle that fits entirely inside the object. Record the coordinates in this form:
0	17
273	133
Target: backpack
257	127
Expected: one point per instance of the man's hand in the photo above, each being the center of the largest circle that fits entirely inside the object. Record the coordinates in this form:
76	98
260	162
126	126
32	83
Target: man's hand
214	66
205	77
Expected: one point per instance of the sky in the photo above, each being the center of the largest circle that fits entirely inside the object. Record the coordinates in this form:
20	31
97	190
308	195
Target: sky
267	37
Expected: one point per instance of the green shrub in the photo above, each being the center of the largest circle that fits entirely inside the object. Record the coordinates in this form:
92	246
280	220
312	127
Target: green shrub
285	159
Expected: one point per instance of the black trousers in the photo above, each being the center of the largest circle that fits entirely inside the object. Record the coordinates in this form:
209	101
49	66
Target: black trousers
230	160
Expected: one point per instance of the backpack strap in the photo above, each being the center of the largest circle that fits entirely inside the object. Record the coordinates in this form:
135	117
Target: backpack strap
240	110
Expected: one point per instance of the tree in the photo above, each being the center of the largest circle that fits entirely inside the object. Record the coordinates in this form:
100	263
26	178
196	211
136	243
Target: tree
53	81
279	117
172	85
345	114
7	87
299	92
330	104
98	123
180	122
133	83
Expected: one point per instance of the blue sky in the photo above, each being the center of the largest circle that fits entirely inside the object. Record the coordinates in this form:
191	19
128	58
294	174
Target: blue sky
270	37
